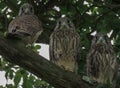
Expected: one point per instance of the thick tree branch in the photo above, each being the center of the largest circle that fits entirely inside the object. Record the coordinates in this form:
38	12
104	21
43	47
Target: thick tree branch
17	53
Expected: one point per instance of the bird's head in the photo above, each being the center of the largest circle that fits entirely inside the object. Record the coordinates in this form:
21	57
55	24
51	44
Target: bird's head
64	23
26	9
100	39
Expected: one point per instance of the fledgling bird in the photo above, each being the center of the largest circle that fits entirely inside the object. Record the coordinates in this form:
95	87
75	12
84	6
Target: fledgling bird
65	45
101	60
26	25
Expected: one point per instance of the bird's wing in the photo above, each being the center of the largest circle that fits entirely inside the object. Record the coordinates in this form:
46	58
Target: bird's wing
24	26
77	46
64	43
28	24
52	46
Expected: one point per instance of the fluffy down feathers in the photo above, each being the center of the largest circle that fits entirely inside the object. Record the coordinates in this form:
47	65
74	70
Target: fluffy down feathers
26	26
65	45
101	60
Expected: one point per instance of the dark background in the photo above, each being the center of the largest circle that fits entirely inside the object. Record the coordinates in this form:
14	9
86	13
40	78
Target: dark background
89	16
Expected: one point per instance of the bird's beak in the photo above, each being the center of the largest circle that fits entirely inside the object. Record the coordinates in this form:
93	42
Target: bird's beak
26	10
64	25
101	40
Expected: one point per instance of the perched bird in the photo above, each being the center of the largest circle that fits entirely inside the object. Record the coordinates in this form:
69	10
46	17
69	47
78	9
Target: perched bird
26	25
65	45
101	60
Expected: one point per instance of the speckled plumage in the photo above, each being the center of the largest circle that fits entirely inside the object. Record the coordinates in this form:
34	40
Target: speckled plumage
26	25
101	60
65	45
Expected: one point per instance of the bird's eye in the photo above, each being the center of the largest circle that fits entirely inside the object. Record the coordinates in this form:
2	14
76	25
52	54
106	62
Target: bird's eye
14	30
68	21
59	23
105	36
96	38
22	9
31	9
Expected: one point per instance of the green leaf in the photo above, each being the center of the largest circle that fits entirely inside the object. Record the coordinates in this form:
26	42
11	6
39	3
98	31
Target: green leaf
17	78
9	86
37	47
11	74
28	82
1	87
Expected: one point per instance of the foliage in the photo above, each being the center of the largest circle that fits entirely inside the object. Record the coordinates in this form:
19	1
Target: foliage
88	16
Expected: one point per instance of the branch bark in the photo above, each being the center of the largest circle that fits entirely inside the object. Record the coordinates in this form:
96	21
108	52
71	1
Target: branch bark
16	53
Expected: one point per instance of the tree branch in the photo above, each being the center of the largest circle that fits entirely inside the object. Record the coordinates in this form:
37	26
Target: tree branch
16	53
